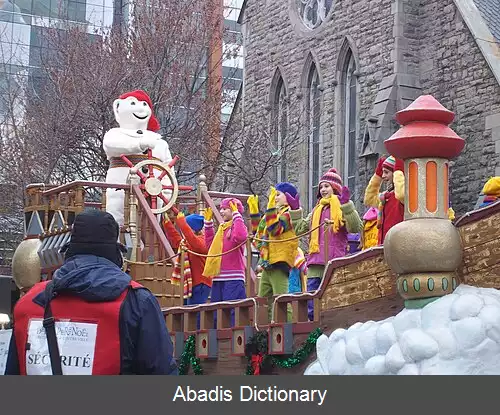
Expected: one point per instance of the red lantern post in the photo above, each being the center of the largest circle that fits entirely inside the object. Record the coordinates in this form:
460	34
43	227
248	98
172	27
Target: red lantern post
425	249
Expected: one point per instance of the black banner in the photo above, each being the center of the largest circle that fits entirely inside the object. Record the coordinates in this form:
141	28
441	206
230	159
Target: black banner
241	394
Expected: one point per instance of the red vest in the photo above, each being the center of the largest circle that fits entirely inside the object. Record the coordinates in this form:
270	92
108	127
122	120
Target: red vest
106	315
393	213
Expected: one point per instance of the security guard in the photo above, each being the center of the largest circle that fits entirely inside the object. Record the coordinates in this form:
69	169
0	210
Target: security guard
91	319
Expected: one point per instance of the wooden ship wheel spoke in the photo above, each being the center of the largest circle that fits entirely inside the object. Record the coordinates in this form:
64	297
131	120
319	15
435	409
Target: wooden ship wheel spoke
152	186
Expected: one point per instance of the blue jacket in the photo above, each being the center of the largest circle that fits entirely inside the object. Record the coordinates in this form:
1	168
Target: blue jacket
145	345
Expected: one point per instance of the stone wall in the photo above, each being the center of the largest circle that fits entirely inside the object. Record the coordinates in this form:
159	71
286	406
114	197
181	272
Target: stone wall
426	43
275	41
455	72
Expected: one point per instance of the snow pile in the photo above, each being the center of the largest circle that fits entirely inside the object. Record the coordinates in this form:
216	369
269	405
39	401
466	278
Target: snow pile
459	334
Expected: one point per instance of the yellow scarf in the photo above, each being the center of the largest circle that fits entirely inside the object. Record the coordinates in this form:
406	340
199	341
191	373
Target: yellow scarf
212	264
335	216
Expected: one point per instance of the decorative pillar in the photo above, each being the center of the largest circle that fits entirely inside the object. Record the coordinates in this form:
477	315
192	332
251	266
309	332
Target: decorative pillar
133	219
202	187
425	249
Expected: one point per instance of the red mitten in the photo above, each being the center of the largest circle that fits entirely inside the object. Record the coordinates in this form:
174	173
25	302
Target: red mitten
400	165
378	170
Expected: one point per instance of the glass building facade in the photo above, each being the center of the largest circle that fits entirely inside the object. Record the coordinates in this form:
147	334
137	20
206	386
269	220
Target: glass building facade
22	27
232	64
23	23
23	41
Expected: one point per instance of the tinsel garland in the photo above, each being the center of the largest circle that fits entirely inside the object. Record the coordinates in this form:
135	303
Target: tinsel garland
256	351
257	346
300	355
188	358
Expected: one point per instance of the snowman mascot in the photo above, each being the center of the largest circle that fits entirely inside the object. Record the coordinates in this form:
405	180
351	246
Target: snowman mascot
133	138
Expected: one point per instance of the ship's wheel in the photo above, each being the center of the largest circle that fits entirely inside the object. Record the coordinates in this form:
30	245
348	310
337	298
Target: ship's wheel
152	186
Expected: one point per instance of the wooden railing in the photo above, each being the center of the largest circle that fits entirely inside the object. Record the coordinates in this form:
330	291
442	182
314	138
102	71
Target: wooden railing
152	254
248	312
298	304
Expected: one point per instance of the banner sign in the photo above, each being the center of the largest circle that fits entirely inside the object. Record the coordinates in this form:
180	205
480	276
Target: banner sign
5	336
76	346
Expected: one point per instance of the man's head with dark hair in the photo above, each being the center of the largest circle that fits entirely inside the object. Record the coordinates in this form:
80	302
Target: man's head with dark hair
95	233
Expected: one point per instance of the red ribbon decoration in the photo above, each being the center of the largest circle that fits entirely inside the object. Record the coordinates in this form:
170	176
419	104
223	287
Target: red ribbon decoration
256	362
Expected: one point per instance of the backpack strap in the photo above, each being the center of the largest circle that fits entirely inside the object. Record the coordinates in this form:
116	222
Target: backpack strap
50	331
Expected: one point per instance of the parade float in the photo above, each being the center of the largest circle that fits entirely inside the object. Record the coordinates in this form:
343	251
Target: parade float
428	296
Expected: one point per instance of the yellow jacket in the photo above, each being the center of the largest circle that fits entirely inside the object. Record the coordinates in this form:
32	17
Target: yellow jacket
373	189
275	225
283	251
370	234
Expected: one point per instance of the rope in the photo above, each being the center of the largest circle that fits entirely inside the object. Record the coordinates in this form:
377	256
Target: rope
292	238
256	239
235	302
161	261
185	249
215	255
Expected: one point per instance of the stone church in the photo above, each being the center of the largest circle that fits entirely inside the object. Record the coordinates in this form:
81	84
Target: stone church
323	80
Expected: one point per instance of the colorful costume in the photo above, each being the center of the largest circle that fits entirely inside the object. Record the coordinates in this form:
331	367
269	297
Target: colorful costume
390	203
491	190
345	219
196	285
370	229
276	258
228	270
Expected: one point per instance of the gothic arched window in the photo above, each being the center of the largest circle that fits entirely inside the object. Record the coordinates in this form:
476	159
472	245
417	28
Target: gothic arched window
279	124
349	95
313	111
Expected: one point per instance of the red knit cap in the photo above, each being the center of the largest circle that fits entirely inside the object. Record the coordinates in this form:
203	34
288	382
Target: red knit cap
153	124
333	178
393	164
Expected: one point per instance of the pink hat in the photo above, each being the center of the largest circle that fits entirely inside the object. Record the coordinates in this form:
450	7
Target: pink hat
371	214
224	204
333	178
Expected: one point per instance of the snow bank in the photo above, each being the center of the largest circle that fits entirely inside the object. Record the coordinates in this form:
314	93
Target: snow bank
458	334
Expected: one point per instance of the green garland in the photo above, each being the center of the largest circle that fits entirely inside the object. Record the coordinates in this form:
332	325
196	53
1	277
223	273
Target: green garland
188	358
257	346
300	355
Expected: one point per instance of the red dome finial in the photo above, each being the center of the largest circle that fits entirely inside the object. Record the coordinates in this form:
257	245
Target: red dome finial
425	131
425	108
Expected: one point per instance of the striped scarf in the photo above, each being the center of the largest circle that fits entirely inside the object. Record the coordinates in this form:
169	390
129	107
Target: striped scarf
262	233
176	275
380	211
488	199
